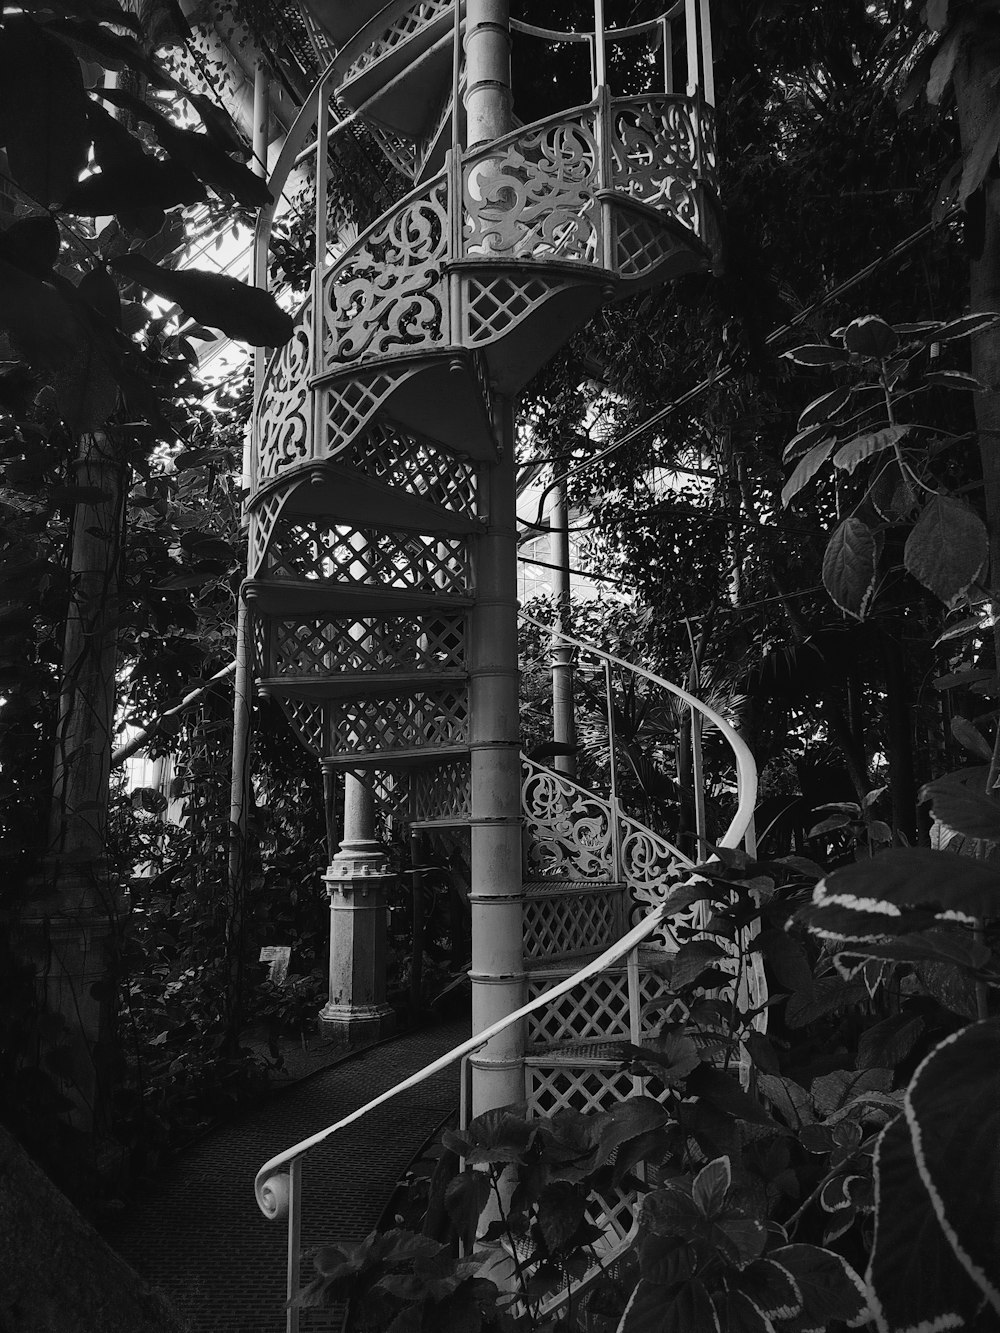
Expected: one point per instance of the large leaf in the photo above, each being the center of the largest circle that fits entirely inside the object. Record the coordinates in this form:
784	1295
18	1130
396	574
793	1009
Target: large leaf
914	877
32	243
962	809
561	1210
43	110
723	1092
807	467
953	1114
38	319
888	1043
817	354
855	451
143	182
849	566
980	157
829	1286
872	337
947	547
962	328
200	153
826	408
244	313
914	1278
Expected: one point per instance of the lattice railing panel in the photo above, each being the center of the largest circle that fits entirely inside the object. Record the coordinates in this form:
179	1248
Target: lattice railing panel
261	525
419	15
424	719
314	550
597	1008
558	924
350	406
551	1088
654	154
640	244
308	723
284	418
533	196
401	153
495	306
392	457
569	829
441	791
367	643
386	294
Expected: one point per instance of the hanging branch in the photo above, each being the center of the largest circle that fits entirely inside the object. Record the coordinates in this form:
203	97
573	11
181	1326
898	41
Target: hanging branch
139	741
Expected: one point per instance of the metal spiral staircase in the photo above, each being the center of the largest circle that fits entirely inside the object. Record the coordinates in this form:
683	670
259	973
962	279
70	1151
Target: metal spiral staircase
382	494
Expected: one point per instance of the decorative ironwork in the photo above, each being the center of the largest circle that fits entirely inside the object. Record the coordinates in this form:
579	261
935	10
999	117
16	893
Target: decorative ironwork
283	421
569	918
308	723
393	457
386	294
654	154
261	526
419	15
641	244
423	718
533	196
441	792
494	306
597	1010
569	829
370	643
351	405
653	868
560	1087
315	550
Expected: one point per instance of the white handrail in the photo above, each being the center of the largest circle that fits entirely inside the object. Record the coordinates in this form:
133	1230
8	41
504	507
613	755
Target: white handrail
272	1194
746	767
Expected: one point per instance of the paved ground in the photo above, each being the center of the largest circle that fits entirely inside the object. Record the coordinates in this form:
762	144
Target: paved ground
200	1236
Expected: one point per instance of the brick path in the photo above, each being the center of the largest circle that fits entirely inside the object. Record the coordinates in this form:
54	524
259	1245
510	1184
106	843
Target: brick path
201	1237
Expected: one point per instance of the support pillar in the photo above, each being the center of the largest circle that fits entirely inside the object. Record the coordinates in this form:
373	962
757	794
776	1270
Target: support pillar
69	921
498	981
563	715
487	67
356	881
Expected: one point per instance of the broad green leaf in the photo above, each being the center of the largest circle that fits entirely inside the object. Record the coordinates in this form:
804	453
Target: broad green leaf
970	625
825	408
914	877
888	1043
144	182
806	468
830	994
43	110
943	64
803	441
816	354
38	318
244	313
771	1288
954	379
977	162
670	1212
855	451
692	959
970	737
952	988
32	244
625	1121
561	1210
465	1198
849	566
738	1314
953	1114
913	1276
872	337
829	1286
723	1092
962	328
936	15
710	1187
831	1092
962	809
947	548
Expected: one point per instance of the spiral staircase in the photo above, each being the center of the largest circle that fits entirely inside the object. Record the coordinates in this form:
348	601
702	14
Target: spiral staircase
381	475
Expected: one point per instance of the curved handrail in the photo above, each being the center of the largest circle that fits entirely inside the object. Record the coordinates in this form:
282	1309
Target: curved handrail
270	1197
746	767
634	30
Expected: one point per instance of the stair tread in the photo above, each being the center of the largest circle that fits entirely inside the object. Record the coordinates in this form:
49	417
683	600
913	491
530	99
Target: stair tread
286	597
347	684
540	887
599	1053
560	969
335	491
414	757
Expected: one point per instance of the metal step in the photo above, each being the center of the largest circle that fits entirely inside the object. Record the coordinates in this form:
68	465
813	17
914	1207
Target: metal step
285	597
340	493
356	684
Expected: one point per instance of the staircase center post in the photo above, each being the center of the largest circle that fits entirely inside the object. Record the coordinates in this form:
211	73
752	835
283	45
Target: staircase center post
487	64
563	718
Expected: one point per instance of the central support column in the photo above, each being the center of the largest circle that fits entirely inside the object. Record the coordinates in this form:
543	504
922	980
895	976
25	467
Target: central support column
498	983
356	1010
487	68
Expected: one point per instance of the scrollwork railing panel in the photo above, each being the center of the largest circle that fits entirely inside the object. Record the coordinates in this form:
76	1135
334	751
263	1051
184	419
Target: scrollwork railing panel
654	154
387	294
569	830
283	421
533	196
